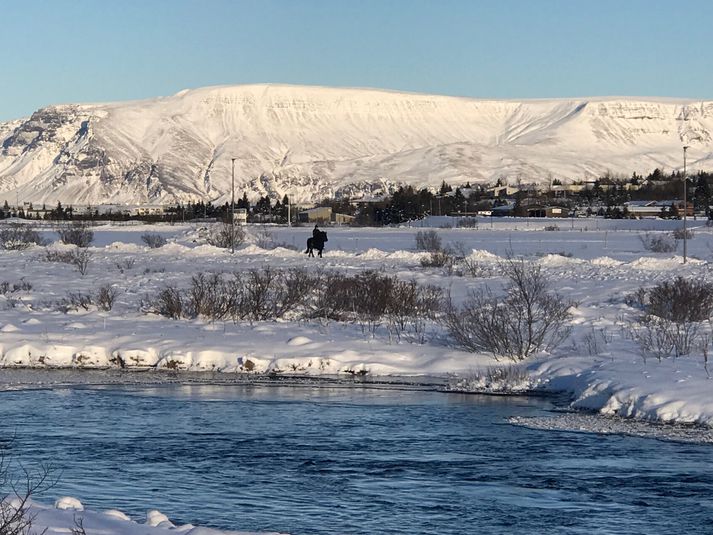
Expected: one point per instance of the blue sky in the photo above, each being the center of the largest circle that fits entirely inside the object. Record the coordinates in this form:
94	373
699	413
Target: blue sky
58	51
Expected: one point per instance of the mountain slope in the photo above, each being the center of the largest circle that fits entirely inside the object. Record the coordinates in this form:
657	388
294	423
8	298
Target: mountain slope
314	141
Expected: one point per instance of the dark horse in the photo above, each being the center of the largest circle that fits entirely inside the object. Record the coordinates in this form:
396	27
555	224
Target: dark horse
316	242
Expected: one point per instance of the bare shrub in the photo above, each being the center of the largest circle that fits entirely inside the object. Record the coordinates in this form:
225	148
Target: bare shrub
437	259
529	318
168	302
265	294
658	243
208	296
226	235
264	238
428	240
21	286
551	228
680	234
18	236
18	488
596	340
125	264
105	297
403	304
81	259
269	293
673	312
153	240
78	257
77	300
78	233
468	222
475	268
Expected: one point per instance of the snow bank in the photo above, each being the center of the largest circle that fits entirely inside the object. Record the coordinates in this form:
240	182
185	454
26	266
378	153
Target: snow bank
63	518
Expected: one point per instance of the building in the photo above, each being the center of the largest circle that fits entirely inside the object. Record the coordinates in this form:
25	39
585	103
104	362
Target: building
671	208
240	216
547	211
147	209
324	215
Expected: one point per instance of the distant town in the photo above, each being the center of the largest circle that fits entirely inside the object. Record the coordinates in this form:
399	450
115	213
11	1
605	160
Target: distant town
657	195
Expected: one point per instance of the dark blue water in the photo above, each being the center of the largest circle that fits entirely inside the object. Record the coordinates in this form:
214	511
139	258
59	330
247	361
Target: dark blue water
348	460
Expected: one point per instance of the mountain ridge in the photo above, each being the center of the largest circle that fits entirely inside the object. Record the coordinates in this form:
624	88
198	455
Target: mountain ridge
313	141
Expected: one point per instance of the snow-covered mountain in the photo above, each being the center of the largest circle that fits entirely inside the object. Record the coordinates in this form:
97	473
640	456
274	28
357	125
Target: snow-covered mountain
315	141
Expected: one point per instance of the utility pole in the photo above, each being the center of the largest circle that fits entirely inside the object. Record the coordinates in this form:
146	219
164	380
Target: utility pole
685	205
232	207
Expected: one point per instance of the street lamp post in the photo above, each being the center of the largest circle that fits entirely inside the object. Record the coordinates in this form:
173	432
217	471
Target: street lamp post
685	206
232	207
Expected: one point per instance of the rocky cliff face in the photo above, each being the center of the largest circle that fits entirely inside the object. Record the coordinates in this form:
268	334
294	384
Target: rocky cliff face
311	141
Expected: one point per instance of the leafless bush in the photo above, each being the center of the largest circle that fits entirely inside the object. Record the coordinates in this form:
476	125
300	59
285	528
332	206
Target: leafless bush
59	256
529	318
77	233
672	316
78	528
468	222
269	293
680	300
401	303
19	236
78	257
475	268
226	235
77	300
105	297
437	259
551	228
264	294
21	286
17	489
168	302
125	264
153	240
658	243
81	259
428	240
209	296
680	234
596	340
259	294
264	238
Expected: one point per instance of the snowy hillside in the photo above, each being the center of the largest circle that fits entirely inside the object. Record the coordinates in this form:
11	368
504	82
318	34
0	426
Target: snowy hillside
313	141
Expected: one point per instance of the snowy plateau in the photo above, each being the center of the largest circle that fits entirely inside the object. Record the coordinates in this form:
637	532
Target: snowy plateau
312	142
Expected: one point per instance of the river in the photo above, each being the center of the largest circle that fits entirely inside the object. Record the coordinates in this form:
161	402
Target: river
347	460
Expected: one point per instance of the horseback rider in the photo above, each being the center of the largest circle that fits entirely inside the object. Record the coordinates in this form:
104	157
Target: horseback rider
316	241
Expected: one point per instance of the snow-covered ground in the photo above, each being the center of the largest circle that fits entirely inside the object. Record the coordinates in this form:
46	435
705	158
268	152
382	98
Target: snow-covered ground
69	516
592	261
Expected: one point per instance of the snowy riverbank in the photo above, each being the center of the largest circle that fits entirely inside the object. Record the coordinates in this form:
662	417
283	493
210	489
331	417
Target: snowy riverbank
595	263
68	516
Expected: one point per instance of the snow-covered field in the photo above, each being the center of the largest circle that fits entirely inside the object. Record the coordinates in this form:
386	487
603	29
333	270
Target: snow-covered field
592	261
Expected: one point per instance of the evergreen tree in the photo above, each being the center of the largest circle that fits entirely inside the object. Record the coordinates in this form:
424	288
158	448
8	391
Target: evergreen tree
702	194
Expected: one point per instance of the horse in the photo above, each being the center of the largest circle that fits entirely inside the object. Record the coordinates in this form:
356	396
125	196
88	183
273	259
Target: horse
316	242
